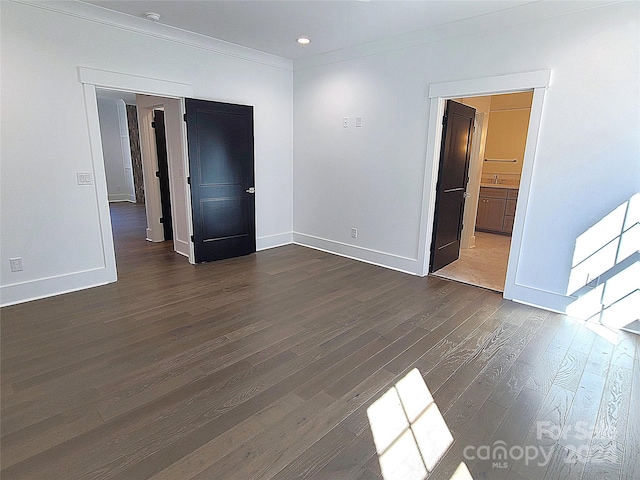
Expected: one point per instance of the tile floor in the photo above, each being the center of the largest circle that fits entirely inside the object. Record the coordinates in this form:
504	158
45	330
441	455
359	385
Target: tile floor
485	265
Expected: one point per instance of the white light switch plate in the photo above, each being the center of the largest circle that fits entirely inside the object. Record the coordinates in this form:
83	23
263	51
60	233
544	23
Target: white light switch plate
84	178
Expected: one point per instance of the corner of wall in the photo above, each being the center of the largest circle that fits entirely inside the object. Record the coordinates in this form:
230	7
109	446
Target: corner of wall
394	262
273	241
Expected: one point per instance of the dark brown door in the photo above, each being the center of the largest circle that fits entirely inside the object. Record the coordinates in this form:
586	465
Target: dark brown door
453	176
163	173
221	158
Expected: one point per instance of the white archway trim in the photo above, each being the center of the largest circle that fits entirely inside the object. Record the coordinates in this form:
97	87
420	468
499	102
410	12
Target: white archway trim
90	79
478	87
134	83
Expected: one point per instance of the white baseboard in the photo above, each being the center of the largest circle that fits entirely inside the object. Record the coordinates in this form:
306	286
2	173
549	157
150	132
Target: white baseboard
374	257
272	241
71	282
121	197
57	285
539	298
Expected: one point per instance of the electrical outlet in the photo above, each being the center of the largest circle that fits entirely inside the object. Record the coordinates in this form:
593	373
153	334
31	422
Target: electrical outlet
345	122
358	122
354	233
16	264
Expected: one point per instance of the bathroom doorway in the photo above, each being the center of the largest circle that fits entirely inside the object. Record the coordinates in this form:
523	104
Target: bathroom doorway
500	134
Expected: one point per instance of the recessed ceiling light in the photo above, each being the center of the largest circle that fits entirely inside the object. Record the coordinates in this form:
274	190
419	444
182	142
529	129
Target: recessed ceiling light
304	41
153	16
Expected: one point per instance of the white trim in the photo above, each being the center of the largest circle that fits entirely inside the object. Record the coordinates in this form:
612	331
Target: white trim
149	155
434	136
185	245
100	183
438	94
472	190
90	79
478	87
134	83
546	300
513	289
140	26
468	28
51	286
187	173
272	241
374	257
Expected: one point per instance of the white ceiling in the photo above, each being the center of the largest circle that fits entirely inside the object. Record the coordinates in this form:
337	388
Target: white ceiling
273	26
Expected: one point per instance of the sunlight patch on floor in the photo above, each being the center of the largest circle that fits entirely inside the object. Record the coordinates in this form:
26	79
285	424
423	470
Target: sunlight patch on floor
408	429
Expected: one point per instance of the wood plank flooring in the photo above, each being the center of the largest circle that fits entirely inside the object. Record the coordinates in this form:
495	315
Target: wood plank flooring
265	367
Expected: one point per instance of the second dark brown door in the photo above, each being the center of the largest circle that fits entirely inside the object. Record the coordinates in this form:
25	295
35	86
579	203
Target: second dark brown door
163	173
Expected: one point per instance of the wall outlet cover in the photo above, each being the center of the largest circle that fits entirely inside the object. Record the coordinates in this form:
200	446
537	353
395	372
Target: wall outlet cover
16	264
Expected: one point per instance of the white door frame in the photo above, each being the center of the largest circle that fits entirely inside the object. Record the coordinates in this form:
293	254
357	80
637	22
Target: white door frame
91	78
468	236
538	81
148	151
178	168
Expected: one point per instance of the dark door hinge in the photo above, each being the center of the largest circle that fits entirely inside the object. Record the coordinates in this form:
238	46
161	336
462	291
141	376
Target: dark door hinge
153	124
188	180
444	120
162	220
184	117
158	173
192	238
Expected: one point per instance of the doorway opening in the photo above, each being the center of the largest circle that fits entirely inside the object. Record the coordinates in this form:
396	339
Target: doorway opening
496	157
221	137
439	93
137	142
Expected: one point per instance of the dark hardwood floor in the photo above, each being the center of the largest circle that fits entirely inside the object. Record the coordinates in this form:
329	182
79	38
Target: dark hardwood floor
294	363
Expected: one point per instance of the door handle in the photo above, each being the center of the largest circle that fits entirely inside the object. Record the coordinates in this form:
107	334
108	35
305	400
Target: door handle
250	190
466	195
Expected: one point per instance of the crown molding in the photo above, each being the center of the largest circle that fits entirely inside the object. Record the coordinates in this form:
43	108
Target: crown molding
141	26
491	22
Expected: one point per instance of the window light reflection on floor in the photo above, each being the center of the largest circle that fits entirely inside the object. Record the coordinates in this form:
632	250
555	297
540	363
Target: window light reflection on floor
408	429
605	272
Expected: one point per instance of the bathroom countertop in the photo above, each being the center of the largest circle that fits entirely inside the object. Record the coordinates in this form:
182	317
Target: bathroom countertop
500	185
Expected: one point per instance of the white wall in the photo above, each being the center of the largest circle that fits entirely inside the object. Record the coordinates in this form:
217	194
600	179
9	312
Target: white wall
116	150
587	161
49	220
